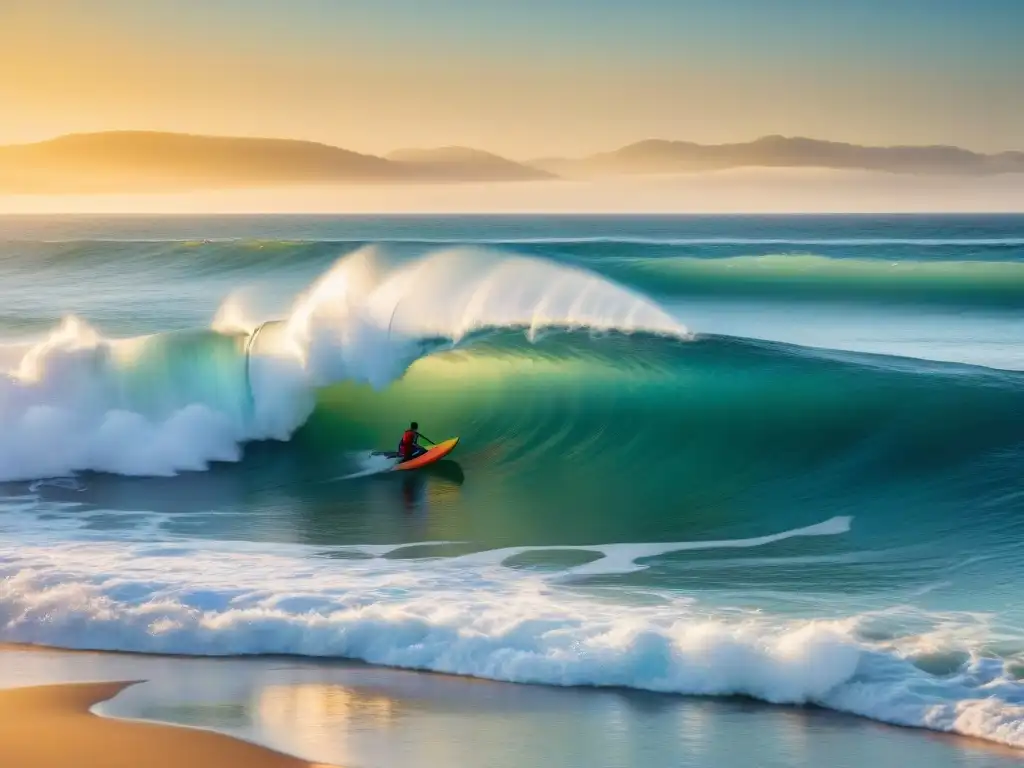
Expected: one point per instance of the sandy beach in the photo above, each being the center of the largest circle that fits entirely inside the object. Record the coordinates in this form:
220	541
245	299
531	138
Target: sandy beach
51	727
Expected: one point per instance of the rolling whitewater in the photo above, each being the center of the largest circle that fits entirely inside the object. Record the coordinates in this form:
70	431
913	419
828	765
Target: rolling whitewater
772	457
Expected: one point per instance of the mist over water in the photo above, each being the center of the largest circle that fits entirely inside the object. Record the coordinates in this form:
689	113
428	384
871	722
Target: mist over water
776	457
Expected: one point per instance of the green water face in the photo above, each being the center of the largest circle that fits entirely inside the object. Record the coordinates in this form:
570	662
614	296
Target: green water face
682	441
573	438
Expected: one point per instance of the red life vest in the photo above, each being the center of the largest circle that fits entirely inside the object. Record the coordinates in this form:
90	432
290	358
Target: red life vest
408	441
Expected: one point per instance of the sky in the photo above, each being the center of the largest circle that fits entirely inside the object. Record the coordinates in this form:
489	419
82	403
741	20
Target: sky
525	78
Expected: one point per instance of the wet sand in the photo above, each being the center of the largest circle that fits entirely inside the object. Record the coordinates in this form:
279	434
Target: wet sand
52	727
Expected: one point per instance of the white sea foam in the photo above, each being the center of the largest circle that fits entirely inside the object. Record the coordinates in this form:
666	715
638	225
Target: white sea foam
370	464
622	558
64	409
404	605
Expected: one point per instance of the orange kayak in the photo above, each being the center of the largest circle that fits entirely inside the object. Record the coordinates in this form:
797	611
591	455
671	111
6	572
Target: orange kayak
436	453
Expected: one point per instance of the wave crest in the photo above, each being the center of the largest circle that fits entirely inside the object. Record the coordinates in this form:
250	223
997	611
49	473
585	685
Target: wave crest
160	404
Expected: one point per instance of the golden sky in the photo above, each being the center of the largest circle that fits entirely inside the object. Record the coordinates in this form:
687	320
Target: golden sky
524	79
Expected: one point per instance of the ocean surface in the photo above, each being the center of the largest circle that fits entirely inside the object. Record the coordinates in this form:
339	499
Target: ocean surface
770	457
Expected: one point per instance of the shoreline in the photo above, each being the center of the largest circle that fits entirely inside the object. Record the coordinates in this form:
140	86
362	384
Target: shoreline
52	726
115	685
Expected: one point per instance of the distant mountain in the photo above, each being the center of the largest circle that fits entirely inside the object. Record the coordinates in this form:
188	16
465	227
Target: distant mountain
141	160
660	156
465	163
131	161
144	161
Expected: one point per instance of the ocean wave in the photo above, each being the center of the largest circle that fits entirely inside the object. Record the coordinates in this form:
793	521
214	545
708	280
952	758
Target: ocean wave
471	615
161	404
538	366
974	273
789	276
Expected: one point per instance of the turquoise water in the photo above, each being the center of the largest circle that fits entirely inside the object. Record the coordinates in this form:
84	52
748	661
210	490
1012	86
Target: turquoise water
777	457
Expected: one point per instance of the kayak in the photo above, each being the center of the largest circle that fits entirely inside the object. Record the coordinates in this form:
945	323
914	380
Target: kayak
436	453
